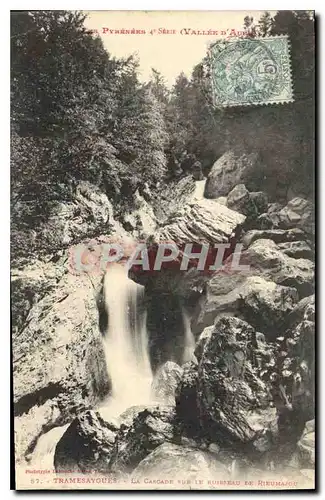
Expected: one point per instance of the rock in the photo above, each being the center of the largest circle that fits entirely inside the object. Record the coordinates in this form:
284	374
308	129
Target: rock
88	215
228	171
172	197
165	382
274	208
202	221
130	222
149	429
293	377
58	358
264	222
306	446
266	259
31	425
299	213
86	445
170	462
276	235
186	400
262	303
297	369
232	398
30	284
238	199
297	249
250	204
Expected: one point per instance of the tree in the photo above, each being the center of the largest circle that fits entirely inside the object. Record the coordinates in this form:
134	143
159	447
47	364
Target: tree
249	26
158	87
264	25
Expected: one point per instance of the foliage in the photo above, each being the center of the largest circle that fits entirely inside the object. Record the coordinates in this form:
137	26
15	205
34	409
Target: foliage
80	114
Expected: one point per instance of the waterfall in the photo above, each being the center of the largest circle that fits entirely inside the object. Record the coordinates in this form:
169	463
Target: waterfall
189	340
127	358
126	341
43	454
198	193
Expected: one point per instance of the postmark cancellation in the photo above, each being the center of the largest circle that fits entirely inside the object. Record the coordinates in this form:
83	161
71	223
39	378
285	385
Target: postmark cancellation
251	71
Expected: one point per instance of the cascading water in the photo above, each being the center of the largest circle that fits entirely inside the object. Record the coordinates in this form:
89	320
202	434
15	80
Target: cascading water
198	193
189	340
126	342
43	454
127	358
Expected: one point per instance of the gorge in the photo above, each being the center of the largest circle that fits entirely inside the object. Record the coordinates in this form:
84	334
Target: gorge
127	372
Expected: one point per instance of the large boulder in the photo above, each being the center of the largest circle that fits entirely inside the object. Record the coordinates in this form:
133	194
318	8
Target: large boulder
180	466
165	382
149	429
266	259
276	235
244	202
228	171
261	302
233	399
238	199
201	221
86	445
59	365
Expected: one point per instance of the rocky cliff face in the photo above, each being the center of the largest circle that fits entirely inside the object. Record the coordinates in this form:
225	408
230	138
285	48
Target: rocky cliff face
59	365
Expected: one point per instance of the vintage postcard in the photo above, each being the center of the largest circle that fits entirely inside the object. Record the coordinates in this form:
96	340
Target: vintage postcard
163	250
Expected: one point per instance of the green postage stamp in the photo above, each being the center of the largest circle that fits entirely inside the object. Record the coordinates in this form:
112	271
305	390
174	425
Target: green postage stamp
251	71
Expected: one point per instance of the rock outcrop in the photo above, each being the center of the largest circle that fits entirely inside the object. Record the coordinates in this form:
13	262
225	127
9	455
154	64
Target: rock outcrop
201	221
86	445
149	429
172	197
233	399
165	382
58	359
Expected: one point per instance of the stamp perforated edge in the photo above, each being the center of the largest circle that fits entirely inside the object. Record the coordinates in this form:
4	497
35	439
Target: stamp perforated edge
270	102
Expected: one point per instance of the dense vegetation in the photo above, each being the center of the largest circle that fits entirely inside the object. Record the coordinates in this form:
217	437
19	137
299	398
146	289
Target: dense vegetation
79	113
